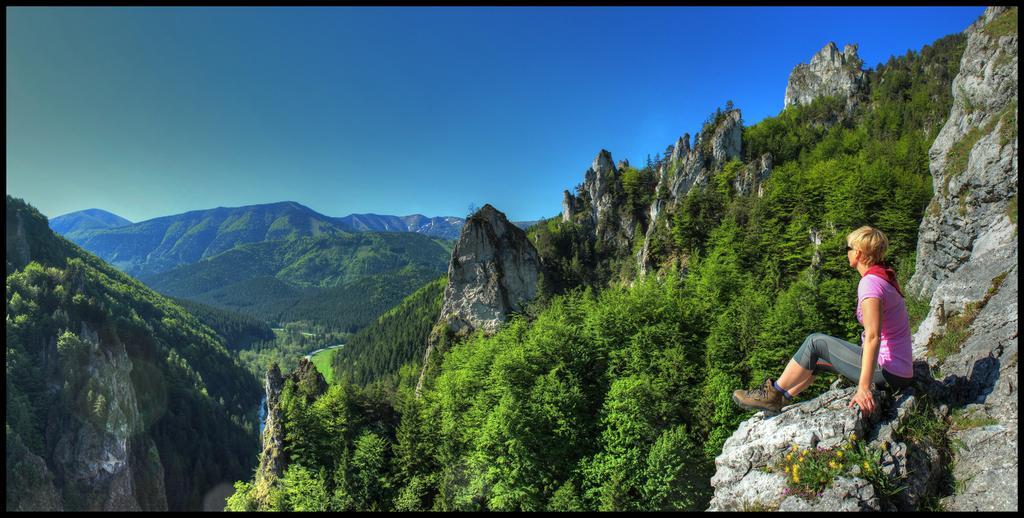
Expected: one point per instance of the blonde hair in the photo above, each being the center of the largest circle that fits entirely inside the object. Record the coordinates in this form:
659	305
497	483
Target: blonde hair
869	241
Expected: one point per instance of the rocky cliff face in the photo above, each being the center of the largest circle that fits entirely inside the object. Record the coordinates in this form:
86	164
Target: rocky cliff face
597	207
101	458
967	267
982	383
492	273
690	167
28	470
727	140
273	459
830	73
967	237
749	179
967	260
97	453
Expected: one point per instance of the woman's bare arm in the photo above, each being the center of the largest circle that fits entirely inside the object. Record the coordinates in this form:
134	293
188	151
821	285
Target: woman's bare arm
871	312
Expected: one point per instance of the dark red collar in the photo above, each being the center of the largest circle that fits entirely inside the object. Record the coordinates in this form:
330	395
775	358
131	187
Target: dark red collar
880	270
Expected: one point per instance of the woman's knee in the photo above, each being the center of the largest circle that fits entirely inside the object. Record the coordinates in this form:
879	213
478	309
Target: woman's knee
807	354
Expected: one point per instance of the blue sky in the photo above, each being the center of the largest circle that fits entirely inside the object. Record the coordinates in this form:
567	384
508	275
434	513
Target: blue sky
147	112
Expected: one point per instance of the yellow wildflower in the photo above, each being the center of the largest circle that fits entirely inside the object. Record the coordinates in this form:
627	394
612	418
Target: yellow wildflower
801	458
786	469
833	464
789	456
794	447
867	467
804	453
853	437
846	446
840	454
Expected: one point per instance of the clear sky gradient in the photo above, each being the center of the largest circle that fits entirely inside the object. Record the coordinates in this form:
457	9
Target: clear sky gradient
148	112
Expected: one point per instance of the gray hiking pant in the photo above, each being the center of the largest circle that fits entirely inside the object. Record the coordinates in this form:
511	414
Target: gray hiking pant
821	352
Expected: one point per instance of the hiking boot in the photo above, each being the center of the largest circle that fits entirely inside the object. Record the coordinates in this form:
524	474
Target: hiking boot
764	397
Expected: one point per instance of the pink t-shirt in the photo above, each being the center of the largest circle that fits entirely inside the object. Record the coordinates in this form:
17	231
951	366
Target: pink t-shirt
894	352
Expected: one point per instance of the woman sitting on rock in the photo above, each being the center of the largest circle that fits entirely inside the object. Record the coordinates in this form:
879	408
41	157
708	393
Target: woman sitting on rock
883	313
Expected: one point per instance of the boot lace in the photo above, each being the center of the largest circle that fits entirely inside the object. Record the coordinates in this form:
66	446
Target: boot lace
762	391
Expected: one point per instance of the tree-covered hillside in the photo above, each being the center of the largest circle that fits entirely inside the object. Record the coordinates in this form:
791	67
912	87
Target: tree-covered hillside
117	398
75	223
237	331
343	282
160	244
310	262
396	338
617	396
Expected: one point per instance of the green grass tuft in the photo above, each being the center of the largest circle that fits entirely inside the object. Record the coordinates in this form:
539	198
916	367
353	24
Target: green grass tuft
917	309
959	153
1003	25
964	420
809	472
1008	124
1011	210
958	326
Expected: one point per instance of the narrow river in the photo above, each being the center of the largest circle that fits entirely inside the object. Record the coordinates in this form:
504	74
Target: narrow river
310	355
263	416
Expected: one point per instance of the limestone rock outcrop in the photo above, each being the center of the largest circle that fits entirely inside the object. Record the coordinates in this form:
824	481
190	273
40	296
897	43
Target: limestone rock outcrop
967	259
272	459
681	148
101	459
748	180
966	237
692	166
598	206
830	73
599	184
570	206
727	140
493	272
764	440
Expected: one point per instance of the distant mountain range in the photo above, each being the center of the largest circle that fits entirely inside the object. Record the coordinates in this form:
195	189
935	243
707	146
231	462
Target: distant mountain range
89	219
446	227
161	244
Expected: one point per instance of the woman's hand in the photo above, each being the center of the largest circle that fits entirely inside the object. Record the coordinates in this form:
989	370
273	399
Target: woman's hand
864	400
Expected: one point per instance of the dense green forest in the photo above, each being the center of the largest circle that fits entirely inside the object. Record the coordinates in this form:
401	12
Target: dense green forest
196	401
238	331
342	282
614	395
394	339
317	262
